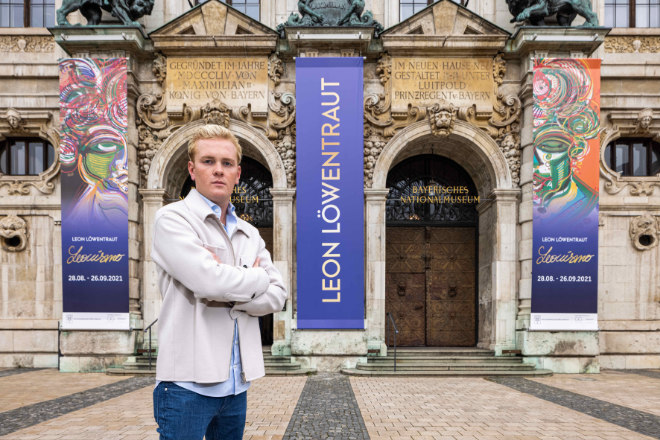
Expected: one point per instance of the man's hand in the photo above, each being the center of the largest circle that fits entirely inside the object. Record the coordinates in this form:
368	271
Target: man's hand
256	262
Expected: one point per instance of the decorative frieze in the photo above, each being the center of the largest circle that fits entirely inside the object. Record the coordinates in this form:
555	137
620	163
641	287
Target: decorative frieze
632	44
27	44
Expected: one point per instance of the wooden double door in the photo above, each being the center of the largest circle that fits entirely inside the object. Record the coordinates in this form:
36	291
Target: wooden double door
430	285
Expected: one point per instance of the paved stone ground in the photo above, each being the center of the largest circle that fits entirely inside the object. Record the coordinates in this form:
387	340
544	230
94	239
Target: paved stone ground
327	409
11	371
364	408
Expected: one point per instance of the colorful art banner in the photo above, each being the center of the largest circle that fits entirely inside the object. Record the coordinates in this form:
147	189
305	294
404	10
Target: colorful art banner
565	194
330	193
93	159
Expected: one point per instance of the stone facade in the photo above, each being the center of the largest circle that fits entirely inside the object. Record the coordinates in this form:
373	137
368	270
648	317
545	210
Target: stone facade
491	140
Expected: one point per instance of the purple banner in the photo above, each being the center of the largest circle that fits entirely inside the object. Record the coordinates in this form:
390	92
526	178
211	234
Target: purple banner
566	170
93	157
330	193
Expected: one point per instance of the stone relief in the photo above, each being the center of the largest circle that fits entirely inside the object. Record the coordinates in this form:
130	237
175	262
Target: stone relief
633	44
13	231
628	124
441	117
645	231
381	123
28	44
37	125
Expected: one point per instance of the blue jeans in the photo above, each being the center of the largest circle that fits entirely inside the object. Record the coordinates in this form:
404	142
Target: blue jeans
185	415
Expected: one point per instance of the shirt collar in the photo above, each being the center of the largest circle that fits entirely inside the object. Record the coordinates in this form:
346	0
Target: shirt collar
202	207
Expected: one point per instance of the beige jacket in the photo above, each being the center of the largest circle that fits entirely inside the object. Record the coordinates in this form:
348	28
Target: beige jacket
194	335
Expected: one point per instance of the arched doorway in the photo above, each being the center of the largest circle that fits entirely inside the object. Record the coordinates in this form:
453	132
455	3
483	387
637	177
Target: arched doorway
254	204
431	252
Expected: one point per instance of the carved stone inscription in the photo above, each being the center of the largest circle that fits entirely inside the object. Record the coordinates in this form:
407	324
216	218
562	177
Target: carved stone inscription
233	81
459	81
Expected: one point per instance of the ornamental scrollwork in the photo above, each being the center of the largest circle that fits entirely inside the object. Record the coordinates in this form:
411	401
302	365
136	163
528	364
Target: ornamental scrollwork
40	125
644	232
282	131
499	69
13	231
623	124
153	127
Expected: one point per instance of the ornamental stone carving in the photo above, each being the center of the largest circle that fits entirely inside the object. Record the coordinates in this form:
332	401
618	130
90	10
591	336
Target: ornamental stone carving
159	68
645	231
14	120
27	44
13	232
632	44
441	117
275	69
644	121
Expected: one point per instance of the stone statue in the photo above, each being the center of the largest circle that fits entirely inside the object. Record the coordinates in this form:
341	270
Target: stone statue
536	11
354	13
644	120
127	11
331	13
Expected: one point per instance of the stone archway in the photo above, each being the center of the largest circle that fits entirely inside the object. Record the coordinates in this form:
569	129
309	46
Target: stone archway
481	157
167	173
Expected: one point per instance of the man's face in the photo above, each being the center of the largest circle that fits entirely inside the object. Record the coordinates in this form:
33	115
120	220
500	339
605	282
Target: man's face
215	170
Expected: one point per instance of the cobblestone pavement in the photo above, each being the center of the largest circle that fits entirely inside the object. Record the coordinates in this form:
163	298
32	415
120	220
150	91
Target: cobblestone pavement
376	408
327	409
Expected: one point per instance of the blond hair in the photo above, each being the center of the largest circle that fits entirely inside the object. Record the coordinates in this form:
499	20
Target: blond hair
212	131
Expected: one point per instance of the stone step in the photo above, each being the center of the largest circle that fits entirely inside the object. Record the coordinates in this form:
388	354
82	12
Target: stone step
444	366
432	359
280	359
450	373
443	351
281	366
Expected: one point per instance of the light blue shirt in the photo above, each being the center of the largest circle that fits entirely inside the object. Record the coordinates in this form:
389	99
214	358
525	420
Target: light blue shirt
233	385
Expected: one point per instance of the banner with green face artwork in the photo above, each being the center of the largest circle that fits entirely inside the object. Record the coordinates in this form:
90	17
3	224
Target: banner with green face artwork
565	196
93	158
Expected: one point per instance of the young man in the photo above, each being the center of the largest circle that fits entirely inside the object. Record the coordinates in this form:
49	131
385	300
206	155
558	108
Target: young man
216	277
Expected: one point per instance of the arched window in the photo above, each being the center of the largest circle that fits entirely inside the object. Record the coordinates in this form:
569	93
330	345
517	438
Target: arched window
25	156
633	156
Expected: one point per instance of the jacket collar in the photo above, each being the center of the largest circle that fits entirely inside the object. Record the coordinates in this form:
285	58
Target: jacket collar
198	206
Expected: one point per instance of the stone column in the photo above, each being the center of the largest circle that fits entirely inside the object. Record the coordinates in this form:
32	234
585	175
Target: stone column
374	219
152	200
505	269
283	259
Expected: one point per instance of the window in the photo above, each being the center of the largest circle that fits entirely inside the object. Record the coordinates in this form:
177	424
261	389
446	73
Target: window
633	157
408	8
25	156
632	13
247	7
27	13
